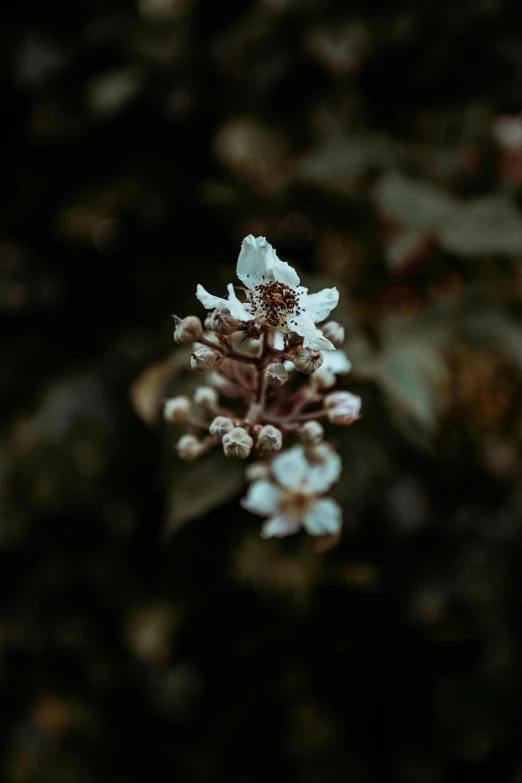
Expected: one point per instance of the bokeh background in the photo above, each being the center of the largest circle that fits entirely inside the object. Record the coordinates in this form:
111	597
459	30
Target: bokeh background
146	632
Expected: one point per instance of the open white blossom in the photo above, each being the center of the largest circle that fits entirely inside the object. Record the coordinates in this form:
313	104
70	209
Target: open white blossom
274	295
295	500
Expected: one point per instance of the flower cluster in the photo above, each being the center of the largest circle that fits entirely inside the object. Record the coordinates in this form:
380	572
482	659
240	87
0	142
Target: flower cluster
264	354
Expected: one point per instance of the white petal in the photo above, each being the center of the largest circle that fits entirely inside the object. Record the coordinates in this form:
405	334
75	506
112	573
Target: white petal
256	261
323	518
237	308
279	340
337	362
291	467
289	366
209	301
322	475
262	498
318	306
313	337
284	273
279	527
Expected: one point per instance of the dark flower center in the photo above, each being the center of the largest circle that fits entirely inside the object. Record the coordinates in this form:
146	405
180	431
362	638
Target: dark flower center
275	301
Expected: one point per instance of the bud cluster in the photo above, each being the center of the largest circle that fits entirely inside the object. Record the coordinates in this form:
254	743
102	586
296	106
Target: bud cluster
262	386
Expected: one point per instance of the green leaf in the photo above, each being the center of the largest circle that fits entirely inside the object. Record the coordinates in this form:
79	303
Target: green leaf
199	487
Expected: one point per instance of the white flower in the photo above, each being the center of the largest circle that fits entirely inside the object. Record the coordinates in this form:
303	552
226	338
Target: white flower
274	295
335	363
294	501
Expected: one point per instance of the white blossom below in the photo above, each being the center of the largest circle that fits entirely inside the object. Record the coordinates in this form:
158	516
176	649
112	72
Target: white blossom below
274	295
294	499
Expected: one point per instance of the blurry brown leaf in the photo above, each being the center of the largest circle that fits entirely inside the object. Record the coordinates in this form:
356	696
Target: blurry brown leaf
148	389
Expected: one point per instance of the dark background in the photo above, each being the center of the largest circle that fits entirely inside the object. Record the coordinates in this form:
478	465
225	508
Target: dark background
146	631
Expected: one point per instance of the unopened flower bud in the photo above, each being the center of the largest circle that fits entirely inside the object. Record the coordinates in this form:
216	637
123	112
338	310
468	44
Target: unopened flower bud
220	426
188	330
257	471
276	374
270	439
323	379
334	332
336	397
311	433
177	409
207	324
189	447
306	360
222	322
203	359
237	443
342	407
206	397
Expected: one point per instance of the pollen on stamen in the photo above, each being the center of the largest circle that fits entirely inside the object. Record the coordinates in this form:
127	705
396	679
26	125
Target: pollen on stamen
275	301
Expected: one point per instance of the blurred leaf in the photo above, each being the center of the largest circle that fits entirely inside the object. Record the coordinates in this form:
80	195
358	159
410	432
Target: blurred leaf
111	91
404	247
199	487
491	224
411	368
341	49
149	388
496	330
413	203
338	166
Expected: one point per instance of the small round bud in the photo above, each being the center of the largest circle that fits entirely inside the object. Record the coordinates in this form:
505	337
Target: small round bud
276	374
323	379
222	322
188	330
203	359
177	409
220	426
334	332
306	360
342	407
334	398
207	324
189	447
270	439
237	443
311	433
206	397
257	471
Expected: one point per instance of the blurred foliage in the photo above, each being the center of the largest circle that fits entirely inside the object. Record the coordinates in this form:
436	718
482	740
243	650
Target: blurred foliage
378	147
